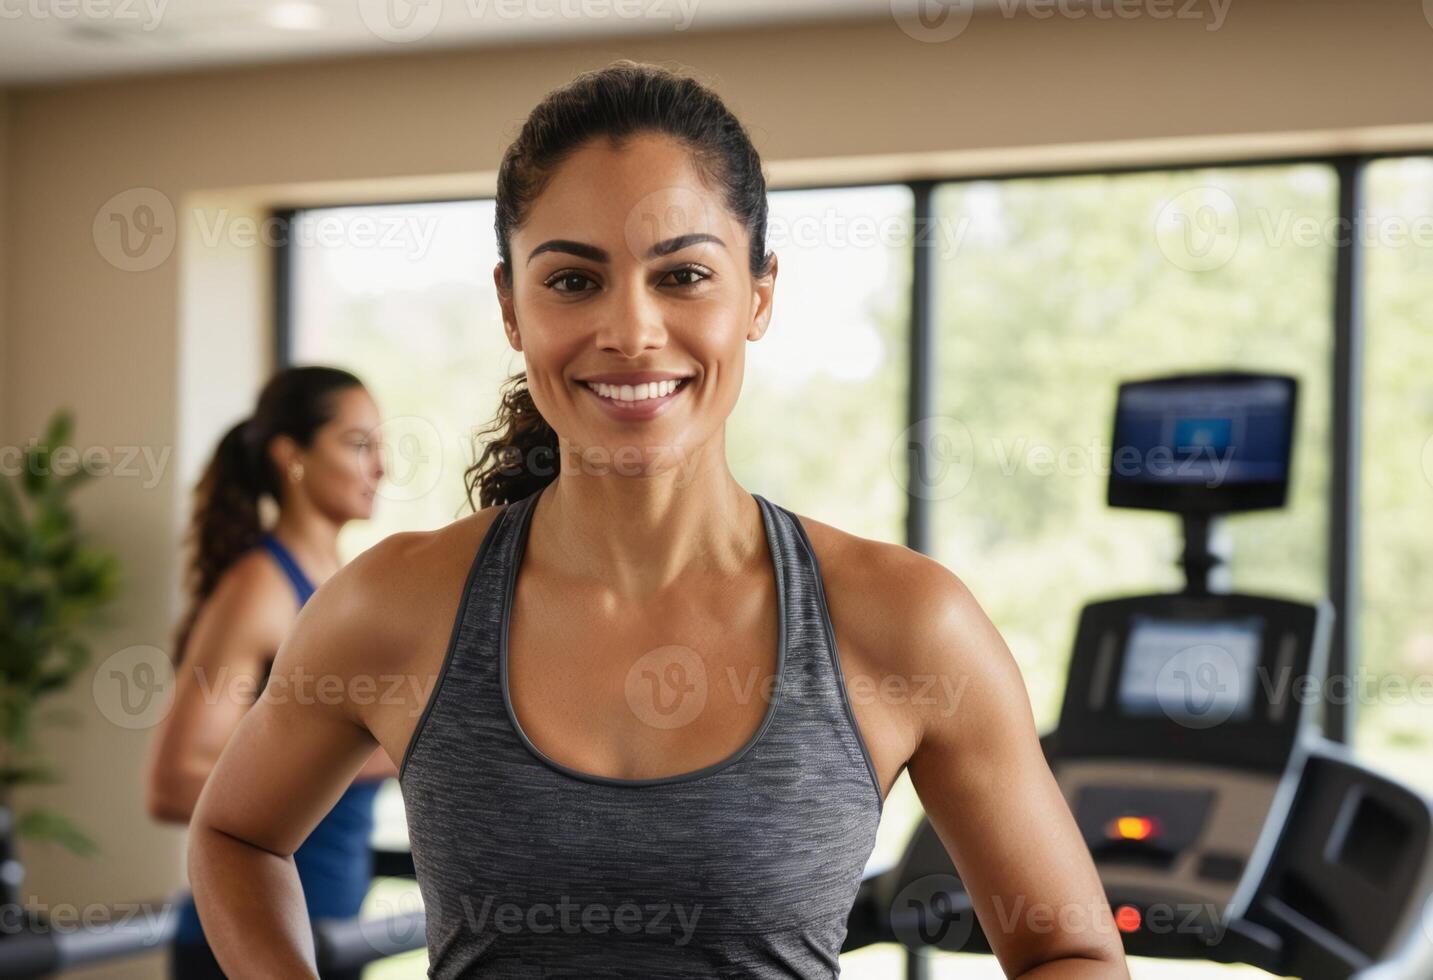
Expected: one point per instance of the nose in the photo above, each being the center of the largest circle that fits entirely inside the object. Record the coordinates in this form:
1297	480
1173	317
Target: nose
632	322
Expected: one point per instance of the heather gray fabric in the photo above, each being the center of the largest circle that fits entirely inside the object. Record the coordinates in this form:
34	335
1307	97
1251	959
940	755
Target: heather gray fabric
746	868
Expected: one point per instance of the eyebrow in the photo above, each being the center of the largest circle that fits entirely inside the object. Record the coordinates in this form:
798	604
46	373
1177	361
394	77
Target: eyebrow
595	254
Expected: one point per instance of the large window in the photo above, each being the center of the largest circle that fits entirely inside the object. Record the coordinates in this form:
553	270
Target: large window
1393	694
1052	291
825	389
1044	293
402	295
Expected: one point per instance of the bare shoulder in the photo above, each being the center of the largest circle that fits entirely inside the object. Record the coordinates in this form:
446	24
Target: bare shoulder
396	587
387	613
903	618
888	595
249	611
409	564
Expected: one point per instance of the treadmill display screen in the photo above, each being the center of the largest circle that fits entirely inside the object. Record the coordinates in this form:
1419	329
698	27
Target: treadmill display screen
1197	673
1216	434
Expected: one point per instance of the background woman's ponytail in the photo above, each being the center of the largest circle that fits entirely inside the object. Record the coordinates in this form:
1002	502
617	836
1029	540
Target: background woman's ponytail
226	520
623	100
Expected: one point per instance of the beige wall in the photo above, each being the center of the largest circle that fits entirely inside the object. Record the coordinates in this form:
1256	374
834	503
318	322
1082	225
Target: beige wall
163	358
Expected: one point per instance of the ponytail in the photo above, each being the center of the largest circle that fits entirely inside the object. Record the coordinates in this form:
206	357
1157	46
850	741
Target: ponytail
522	460
226	519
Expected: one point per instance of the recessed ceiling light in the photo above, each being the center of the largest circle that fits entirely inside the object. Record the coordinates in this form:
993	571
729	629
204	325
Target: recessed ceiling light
293	16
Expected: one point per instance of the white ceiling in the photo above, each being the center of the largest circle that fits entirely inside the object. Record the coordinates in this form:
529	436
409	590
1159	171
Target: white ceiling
47	40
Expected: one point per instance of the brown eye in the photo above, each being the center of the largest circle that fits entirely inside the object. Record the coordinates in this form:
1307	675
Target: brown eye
569	278
690	270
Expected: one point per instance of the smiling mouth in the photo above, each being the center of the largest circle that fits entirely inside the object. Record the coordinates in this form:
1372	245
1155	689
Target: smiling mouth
650	391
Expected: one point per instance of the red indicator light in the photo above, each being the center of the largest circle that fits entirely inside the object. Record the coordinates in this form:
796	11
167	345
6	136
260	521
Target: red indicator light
1127	918
1131	828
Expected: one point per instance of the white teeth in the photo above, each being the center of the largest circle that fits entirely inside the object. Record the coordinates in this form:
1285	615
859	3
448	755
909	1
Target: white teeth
635	393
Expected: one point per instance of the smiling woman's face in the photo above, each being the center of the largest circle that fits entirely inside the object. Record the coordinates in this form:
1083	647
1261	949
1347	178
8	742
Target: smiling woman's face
630	278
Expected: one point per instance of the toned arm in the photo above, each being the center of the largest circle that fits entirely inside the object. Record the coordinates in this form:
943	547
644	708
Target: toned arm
984	782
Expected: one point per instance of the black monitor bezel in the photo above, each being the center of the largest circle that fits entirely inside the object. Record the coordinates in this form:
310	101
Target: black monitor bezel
1198	499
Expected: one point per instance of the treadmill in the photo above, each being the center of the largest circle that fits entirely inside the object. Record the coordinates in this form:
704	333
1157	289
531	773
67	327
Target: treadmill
1223	825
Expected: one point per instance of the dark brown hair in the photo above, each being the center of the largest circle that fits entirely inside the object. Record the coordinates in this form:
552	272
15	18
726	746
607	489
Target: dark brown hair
622	100
295	402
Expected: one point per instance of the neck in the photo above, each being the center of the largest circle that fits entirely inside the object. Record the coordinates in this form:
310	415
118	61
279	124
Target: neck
311	537
637	535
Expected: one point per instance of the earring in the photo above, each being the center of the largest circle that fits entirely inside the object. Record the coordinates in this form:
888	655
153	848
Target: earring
296	472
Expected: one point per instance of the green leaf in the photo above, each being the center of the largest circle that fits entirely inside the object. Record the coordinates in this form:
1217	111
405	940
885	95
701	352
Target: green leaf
37	468
45	824
12	519
65	485
62	426
52	585
31	775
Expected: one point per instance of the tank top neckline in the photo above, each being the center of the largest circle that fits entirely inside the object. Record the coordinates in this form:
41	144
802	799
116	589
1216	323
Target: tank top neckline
303	585
515	548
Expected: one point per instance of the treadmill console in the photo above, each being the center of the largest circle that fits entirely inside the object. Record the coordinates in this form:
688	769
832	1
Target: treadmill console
1206	679
1176	753
1222	826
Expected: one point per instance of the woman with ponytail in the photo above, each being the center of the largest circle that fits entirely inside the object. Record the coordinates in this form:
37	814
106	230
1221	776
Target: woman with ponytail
627	747
310	448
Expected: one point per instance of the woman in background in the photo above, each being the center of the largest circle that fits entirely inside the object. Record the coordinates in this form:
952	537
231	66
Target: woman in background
311	446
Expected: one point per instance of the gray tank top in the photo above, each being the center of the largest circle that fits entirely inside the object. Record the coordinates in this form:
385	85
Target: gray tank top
745	868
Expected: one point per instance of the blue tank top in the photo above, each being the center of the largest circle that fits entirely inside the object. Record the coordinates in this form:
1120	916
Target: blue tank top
335	862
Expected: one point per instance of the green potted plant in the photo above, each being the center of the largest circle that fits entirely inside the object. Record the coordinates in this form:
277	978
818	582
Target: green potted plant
51	584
